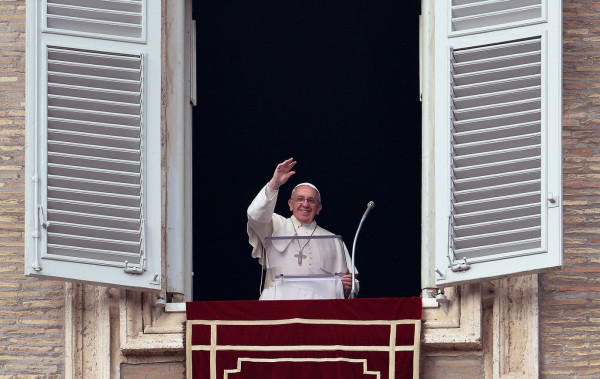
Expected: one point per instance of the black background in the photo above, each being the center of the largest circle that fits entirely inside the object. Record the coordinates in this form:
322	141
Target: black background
335	85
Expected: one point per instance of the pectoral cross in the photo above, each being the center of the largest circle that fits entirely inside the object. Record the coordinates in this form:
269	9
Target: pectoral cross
300	256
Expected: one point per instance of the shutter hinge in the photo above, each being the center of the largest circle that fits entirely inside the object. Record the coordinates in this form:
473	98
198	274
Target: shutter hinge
132	268
461	265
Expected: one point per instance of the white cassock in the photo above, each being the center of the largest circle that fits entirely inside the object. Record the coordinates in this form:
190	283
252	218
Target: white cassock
319	256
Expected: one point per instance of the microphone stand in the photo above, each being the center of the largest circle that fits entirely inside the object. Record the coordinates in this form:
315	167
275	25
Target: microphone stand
353	293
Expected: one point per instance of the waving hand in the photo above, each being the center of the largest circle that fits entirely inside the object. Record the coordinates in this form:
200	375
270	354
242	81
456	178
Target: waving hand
282	174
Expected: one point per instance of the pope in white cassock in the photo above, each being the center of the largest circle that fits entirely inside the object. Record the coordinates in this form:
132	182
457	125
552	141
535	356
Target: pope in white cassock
307	254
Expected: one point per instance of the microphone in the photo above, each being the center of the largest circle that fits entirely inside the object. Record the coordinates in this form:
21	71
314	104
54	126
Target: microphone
353	292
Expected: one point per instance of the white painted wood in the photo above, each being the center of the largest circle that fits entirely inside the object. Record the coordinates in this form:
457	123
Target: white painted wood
492	248
93	129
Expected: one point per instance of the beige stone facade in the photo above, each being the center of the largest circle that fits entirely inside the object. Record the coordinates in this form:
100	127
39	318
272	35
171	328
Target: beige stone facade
31	311
521	327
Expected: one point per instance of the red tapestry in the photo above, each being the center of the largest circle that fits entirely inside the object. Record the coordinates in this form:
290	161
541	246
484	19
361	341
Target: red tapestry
358	338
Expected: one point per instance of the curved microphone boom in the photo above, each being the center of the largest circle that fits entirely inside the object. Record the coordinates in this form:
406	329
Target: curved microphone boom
370	206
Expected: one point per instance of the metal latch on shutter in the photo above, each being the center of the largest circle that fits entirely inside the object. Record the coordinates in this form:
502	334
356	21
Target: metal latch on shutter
456	265
132	268
461	265
552	200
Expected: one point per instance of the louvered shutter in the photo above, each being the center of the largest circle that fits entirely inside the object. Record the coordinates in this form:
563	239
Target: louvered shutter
93	135
498	166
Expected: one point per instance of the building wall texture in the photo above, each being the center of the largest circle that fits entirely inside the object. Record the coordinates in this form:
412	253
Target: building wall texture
31	311
570	298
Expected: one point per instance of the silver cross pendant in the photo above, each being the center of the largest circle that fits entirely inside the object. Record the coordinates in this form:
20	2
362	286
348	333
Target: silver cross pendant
300	256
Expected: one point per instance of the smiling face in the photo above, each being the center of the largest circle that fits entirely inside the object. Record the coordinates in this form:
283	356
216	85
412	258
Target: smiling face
305	204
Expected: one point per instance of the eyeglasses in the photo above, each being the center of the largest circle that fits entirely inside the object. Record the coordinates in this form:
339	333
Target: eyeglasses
301	199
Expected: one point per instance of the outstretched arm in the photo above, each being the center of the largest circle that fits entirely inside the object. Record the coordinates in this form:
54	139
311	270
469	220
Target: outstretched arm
282	174
261	210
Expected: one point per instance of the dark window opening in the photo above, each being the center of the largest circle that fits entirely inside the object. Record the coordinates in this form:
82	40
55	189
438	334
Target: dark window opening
337	88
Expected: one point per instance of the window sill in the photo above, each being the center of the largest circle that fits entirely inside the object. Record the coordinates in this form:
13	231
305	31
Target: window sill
460	326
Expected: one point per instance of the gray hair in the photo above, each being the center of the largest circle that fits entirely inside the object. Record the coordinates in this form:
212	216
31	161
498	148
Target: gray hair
311	186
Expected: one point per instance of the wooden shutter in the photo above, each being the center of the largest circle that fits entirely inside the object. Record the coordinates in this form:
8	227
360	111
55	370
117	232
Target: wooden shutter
497	126
94	204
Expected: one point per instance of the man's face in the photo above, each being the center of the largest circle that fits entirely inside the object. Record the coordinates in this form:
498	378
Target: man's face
305	204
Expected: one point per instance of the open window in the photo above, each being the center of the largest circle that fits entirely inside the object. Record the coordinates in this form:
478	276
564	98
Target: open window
93	142
497	116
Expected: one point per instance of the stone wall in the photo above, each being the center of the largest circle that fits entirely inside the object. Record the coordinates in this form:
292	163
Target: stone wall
570	298
31	310
153	371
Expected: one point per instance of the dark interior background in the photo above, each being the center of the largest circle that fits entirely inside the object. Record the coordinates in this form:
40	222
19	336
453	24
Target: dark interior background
334	85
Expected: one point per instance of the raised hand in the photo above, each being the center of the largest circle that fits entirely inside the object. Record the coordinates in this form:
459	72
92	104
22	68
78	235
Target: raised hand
282	174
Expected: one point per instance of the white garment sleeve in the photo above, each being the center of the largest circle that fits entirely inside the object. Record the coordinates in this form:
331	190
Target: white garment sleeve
260	219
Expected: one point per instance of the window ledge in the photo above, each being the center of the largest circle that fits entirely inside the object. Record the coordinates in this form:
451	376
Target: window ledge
174	307
148	329
460	326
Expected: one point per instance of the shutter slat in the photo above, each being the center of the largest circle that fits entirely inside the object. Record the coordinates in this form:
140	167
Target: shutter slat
92	208
84	13
498	158
501	150
498	236
490	64
496	86
91	150
95	197
497	121
505	203
69	90
110	108
99	232
475	254
114	19
90	71
474	15
497	132
498	168
88	126
95	82
499	109
484	99
486	216
88	255
112	141
486	227
504	248
474	183
497	74
506	144
123	247
498	190
122	5
94	116
96	162
96	174
93	185
95	220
